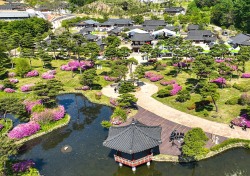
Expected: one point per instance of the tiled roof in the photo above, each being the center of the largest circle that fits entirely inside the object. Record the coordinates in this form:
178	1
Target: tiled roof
241	39
133	138
14	14
154	23
139	37
121	21
174	9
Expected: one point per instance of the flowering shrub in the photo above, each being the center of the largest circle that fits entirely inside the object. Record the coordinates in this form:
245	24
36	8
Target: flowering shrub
156	78
27	87
153	77
219	81
1	127
11	74
22	166
23	130
9	90
245	75
165	83
58	113
85	88
30	104
14	81
244	99
51	72
116	121
98	95
219	60
176	89
32	73
1	87
242	121
74	65
113	101
47	76
107	78
48	115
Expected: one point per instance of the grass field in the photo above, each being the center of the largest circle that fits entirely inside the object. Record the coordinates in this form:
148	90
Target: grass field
226	112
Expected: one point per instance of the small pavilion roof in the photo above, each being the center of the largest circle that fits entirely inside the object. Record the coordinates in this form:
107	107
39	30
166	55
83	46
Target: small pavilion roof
133	138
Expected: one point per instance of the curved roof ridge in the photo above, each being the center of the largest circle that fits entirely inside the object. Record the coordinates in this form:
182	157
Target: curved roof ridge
145	133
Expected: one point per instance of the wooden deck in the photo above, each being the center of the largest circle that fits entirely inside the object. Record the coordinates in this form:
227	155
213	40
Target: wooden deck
167	147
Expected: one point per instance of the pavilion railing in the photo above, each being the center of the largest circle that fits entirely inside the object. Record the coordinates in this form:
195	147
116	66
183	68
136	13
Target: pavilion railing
133	163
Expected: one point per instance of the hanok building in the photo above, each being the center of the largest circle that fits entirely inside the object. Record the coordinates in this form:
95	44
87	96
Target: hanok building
192	27
152	25
240	40
116	31
13	6
139	39
133	143
121	22
175	10
86	30
91	38
87	23
201	36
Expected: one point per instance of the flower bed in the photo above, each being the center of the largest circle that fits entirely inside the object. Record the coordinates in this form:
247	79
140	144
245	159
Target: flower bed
48	76
23	130
9	90
30	104
219	60
32	73
165	83
242	121
153	77
22	166
176	88
245	75
219	81
74	65
27	87
14	81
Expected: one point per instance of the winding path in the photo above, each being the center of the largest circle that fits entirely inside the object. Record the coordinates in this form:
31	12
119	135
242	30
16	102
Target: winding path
147	102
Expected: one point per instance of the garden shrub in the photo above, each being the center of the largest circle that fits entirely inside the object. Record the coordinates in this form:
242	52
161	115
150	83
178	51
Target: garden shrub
191	107
163	93
205	113
229	142
242	88
194	143
8	84
22	66
232	101
106	124
119	113
126	87
183	96
98	95
126	100
244	99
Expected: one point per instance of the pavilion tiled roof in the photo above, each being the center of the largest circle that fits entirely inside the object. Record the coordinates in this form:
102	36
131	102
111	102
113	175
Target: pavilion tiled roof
137	37
242	39
133	138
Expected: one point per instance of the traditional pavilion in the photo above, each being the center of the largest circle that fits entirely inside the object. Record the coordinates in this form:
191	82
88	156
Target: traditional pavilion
133	143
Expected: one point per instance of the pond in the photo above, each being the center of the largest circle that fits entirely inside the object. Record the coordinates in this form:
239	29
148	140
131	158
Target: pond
88	157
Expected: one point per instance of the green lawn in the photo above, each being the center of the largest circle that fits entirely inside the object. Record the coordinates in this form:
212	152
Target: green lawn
226	112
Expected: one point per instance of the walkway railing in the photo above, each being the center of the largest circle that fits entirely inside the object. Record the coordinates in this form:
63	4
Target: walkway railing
133	163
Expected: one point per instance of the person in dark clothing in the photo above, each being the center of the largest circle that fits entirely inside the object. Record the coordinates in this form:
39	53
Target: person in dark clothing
115	89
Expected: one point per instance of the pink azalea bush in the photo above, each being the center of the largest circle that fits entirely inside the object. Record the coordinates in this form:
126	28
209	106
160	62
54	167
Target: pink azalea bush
113	101
9	90
22	166
245	75
153	77
176	88
85	88
242	121
74	65
14	81
24	130
32	73
165	83
27	87
108	78
1	87
48	115
47	76
219	60
219	80
11	74
51	72
30	104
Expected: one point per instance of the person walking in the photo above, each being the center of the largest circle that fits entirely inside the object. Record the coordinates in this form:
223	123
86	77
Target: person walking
115	89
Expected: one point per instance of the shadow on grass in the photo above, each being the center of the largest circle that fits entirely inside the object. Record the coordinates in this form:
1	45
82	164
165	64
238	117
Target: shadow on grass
173	73
96	87
203	105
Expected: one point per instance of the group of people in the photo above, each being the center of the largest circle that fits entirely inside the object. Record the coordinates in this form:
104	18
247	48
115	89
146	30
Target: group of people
244	127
